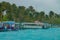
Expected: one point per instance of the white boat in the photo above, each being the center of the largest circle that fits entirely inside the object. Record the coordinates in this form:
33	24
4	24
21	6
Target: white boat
32	25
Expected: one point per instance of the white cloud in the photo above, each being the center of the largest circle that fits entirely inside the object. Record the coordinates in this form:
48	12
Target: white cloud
48	5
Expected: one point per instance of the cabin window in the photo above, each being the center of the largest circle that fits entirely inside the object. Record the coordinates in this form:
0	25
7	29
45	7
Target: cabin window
32	24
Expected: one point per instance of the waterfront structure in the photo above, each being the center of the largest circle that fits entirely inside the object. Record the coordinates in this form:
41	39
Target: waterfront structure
17	26
1	24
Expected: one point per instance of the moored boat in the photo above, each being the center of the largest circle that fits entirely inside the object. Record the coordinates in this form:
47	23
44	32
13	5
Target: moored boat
7	25
33	25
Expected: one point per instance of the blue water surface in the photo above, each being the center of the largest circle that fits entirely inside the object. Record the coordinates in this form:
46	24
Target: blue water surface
32	34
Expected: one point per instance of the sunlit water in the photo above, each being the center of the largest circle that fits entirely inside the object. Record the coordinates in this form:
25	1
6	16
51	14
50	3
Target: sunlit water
32	34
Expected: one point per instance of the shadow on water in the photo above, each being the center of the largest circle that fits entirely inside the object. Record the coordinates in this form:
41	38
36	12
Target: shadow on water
34	29
24	29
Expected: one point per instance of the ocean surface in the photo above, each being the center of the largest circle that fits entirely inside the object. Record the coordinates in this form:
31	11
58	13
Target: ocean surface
32	34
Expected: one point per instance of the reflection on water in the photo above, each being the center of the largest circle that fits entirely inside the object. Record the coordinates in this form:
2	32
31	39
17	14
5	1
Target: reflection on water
32	34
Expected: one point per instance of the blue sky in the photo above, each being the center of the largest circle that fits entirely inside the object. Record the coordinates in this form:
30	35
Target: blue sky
39	5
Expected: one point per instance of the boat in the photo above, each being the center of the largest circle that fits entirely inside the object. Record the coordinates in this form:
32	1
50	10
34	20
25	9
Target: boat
8	25
33	25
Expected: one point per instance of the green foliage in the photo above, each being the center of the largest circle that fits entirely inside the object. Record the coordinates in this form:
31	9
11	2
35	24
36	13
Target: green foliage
23	14
5	18
51	13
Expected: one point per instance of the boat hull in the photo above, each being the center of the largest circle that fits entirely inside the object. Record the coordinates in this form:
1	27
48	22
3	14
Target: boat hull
31	27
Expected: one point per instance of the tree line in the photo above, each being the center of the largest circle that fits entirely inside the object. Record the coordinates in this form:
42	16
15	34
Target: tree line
23	14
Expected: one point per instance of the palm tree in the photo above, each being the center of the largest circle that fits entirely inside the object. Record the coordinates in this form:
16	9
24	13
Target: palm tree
51	16
0	12
42	15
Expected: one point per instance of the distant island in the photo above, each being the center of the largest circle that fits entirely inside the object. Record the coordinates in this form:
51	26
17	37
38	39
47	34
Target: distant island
11	12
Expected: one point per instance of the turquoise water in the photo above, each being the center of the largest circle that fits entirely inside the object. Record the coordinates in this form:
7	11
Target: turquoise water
32	34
